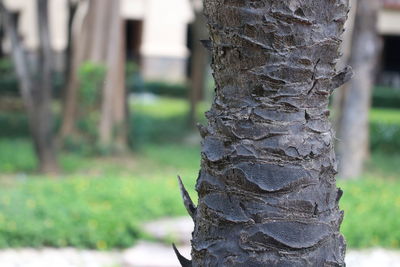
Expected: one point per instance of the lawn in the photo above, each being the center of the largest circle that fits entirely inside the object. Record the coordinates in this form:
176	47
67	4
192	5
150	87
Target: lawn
100	202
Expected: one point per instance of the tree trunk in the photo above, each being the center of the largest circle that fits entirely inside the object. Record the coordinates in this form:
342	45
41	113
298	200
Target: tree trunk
72	9
112	131
36	88
43	93
338	95
81	48
267	192
200	59
68	70
353	122
101	41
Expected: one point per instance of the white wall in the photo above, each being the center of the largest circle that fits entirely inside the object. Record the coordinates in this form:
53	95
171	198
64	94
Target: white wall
28	22
389	22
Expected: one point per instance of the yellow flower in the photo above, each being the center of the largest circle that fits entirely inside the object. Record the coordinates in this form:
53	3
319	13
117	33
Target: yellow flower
101	245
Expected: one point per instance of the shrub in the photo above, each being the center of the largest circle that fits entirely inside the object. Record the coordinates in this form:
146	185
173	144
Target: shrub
13	124
8	80
385	137
384	97
103	202
98	213
385	130
372	212
91	77
159	88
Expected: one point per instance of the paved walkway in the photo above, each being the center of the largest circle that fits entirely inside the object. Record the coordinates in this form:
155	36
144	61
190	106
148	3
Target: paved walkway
147	254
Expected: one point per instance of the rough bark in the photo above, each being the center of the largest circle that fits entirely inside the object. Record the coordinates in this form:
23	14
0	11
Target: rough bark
353	122
36	88
267	192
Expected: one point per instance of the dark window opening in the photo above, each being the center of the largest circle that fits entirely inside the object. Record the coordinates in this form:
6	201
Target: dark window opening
189	45
389	75
134	29
391	54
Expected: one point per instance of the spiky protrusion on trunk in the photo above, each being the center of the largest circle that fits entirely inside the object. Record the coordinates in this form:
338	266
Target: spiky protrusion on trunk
267	192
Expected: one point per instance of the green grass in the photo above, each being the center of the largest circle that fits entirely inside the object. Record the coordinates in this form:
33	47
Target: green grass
100	202
385	130
372	212
163	120
385	115
17	156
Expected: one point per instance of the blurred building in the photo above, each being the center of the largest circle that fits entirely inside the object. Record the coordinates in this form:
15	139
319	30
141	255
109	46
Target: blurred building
157	34
389	27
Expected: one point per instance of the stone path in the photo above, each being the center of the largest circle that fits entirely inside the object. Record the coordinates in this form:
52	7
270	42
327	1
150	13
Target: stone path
148	254
50	257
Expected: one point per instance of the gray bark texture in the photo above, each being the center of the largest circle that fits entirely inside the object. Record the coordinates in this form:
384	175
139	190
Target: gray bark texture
267	191
353	125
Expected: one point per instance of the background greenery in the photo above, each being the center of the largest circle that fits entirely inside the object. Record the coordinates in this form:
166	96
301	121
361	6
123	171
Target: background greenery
100	202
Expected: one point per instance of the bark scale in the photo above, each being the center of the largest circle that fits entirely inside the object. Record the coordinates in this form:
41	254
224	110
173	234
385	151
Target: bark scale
267	191
353	128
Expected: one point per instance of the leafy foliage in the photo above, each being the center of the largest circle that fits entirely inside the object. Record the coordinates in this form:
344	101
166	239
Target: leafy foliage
372	211
158	88
101	202
383	97
91	77
385	130
92	213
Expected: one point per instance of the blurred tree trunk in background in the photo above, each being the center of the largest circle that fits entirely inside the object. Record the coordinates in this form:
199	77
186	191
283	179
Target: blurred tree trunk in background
101	41
338	95
353	128
78	41
199	60
72	9
267	192
1	38
113	129
36	88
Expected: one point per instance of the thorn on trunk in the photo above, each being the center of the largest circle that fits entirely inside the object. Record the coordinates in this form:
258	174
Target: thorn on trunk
187	201
339	194
341	78
184	262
